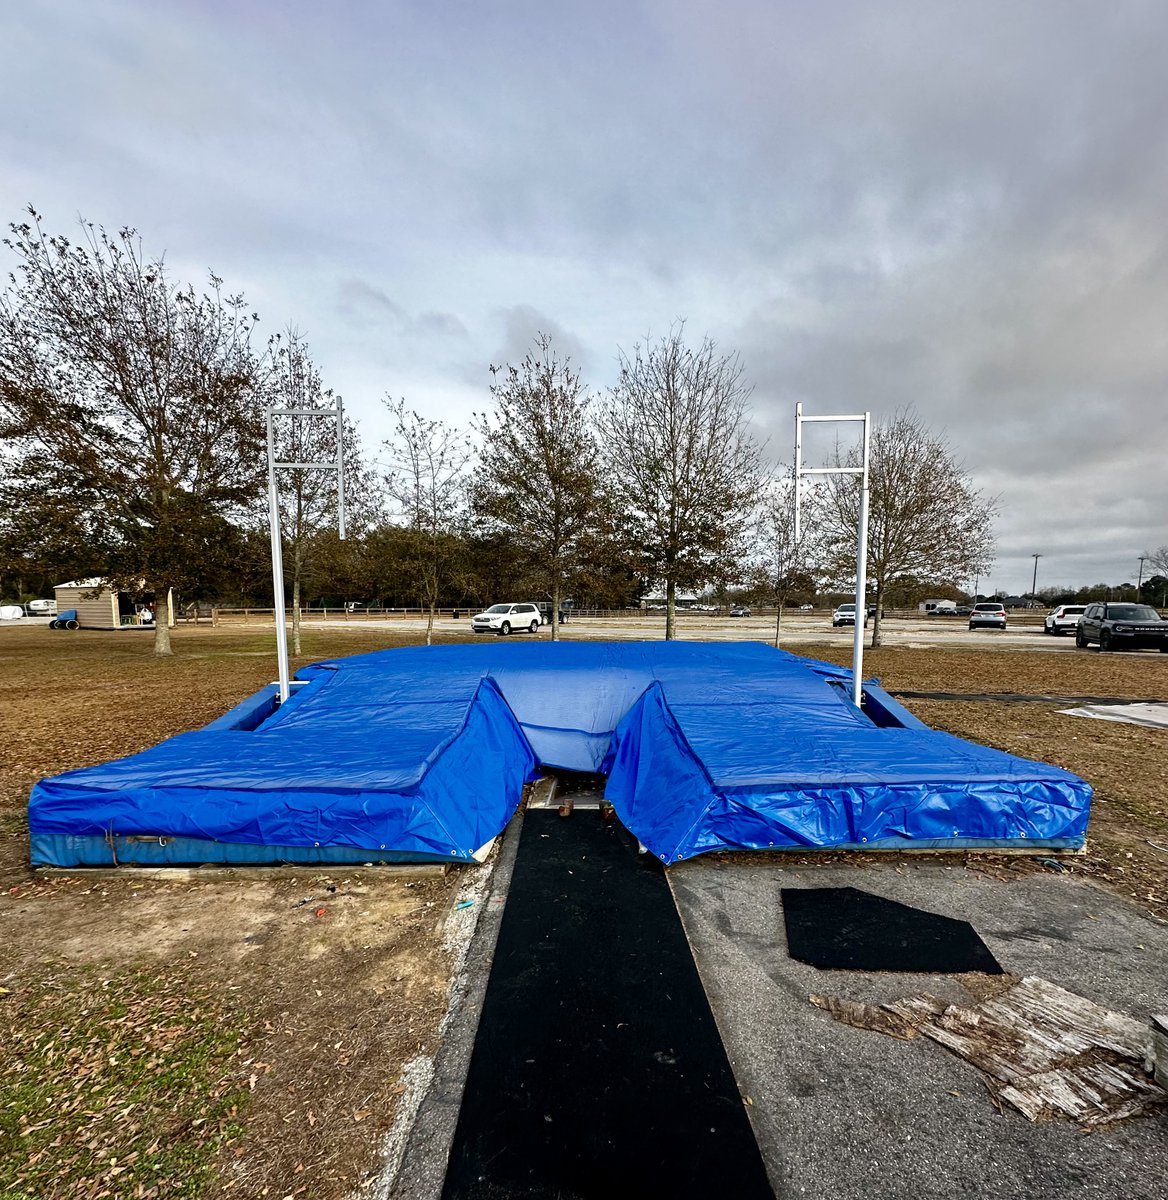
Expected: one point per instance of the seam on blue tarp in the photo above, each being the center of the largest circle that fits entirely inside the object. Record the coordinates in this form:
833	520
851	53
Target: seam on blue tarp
588	733
488	683
685	742
312	686
895	711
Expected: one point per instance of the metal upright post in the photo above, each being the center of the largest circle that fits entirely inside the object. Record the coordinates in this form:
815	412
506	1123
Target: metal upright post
861	579
861	531
798	463
277	567
338	465
340	469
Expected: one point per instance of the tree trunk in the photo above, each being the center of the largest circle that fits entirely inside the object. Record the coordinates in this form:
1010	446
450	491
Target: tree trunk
161	621
556	611
877	616
778	620
430	622
296	608
670	609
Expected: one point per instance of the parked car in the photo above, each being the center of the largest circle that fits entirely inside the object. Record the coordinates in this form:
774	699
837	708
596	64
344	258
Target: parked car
846	615
806	607
507	618
1064	619
963	610
740	610
1122	627
987	616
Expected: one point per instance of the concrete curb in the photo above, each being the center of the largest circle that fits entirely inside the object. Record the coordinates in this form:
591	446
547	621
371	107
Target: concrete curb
420	1169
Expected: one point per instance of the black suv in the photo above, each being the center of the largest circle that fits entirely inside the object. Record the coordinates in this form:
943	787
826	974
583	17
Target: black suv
1122	627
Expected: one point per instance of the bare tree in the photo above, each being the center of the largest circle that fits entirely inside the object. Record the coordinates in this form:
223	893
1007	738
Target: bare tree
427	481
681	462
1158	559
536	479
783	563
925	517
308	498
146	392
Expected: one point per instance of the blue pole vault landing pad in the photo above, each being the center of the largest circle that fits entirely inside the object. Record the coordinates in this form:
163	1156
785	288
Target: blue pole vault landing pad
422	754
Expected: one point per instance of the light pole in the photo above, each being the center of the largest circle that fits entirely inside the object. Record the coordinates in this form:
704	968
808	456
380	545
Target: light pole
1140	578
1034	579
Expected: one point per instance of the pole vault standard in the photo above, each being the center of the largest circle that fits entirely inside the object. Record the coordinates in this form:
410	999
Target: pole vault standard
861	533
337	464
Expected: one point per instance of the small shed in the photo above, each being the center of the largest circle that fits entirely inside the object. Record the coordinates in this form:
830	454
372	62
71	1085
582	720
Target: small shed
101	607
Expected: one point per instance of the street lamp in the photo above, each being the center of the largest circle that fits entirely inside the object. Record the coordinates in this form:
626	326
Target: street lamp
1034	579
1140	579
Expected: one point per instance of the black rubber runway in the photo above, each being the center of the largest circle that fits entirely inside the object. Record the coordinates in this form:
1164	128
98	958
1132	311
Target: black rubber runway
848	929
598	1070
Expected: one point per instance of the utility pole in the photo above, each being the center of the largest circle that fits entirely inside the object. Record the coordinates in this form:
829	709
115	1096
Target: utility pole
1034	579
1140	580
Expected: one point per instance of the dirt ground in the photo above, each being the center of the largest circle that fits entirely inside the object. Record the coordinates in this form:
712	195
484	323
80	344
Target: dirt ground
329	984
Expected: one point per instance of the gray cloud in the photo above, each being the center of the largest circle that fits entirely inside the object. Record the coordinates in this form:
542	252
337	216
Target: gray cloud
522	324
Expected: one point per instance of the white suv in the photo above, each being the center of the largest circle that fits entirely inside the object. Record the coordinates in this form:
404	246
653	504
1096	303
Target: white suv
1064	619
506	618
846	615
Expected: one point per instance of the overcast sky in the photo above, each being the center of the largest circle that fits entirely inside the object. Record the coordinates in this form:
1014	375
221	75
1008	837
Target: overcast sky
960	206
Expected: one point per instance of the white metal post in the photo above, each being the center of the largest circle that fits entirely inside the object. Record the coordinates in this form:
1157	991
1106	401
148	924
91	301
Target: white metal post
861	579
861	531
340	469
338	465
277	567
798	462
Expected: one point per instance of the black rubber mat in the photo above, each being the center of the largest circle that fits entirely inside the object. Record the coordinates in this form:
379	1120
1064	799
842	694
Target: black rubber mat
847	929
597	1070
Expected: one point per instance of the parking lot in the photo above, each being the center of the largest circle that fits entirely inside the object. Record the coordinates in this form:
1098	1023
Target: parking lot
1024	630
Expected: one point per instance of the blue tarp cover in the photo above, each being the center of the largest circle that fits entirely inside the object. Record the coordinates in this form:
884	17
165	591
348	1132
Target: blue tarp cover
423	752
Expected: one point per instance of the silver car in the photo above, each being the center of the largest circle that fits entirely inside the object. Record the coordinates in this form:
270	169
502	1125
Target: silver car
988	616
